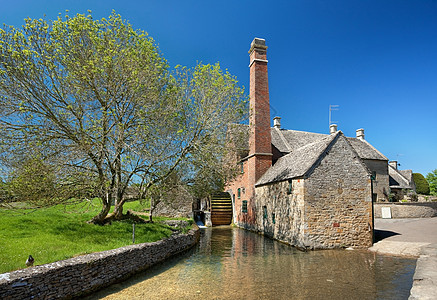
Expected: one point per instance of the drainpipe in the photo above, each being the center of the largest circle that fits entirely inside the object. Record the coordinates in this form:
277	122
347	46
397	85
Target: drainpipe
373	210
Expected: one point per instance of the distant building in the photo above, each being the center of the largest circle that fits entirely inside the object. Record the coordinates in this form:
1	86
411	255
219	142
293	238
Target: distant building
401	181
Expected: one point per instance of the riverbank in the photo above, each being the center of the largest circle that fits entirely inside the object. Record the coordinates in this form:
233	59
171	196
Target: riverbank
412	237
81	275
60	232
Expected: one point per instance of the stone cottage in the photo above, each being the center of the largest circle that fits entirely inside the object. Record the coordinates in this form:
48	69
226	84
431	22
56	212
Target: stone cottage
401	181
310	190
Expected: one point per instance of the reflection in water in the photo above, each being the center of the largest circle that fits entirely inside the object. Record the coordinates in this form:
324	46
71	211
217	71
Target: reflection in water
231	263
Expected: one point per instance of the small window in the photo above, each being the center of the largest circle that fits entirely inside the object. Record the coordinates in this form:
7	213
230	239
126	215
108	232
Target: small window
290	187
273	218
233	198
239	193
242	167
244	206
265	212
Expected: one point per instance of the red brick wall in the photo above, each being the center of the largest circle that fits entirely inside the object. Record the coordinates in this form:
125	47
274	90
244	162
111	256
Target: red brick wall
260	157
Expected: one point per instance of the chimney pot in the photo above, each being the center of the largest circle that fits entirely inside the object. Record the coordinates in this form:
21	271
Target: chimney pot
394	164
259	44
277	122
332	128
360	133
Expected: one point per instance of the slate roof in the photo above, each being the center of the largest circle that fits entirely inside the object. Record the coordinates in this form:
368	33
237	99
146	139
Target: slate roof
397	178
365	150
301	151
407	174
298	162
289	140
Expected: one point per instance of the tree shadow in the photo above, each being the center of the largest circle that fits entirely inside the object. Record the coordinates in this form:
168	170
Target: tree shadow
383	234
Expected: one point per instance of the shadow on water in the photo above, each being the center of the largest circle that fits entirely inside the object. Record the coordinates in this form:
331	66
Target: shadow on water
230	263
383	234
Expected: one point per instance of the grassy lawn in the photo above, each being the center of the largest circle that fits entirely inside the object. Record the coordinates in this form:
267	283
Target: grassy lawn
61	232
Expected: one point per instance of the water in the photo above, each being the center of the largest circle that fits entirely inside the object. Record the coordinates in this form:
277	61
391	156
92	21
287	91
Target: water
231	263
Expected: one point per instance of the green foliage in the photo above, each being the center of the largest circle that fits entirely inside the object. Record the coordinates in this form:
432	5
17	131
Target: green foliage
432	180
422	186
98	103
60	232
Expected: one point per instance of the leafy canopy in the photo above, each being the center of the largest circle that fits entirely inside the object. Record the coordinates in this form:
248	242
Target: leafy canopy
96	102
431	177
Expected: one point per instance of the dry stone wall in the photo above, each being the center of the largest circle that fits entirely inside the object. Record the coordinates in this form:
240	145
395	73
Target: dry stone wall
84	274
408	210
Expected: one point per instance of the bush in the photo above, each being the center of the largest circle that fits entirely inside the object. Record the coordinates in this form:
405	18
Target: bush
412	196
422	186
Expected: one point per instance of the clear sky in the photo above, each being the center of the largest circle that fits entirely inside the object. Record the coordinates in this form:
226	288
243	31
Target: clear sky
376	59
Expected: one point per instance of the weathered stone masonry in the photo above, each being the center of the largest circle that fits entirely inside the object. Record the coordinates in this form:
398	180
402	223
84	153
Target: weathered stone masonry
323	210
408	209
84	274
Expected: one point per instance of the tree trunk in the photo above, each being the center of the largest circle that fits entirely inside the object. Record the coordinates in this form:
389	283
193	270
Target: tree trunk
100	218
118	210
153	205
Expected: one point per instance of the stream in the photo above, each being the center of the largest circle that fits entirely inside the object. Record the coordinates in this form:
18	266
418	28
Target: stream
231	263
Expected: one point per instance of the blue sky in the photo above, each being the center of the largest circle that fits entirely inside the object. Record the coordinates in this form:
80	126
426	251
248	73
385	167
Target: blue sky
376	59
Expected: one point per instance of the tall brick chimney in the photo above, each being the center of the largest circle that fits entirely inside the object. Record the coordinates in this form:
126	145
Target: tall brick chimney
260	144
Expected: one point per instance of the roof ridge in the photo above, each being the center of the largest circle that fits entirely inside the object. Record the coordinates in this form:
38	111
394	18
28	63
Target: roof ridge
284	140
294	130
323	139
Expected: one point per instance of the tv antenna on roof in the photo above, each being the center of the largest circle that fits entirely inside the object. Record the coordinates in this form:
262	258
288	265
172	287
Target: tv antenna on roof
331	108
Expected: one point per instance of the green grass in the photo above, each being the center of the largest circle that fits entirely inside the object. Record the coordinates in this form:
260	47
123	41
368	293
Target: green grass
61	232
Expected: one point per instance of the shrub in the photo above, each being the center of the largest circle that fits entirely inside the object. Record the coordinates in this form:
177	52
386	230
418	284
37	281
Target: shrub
422	186
412	196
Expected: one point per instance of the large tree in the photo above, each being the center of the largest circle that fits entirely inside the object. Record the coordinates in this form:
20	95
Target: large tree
431	177
95	100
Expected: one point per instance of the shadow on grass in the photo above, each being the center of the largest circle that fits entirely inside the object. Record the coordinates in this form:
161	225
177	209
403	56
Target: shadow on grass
383	234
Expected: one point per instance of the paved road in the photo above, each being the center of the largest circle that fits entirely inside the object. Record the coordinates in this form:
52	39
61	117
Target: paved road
414	237
423	230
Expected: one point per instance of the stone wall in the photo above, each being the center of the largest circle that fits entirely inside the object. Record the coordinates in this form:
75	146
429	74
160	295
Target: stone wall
408	210
280	214
332	208
82	275
338	203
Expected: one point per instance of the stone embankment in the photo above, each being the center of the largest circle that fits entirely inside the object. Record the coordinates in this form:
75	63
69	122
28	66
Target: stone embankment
425	277
84	274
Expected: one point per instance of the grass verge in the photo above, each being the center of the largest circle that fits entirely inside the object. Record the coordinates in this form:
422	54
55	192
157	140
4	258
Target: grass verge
61	232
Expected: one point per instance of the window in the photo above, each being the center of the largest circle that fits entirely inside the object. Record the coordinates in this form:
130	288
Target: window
265	212
273	218
290	187
233	198
244	206
239	193
242	167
